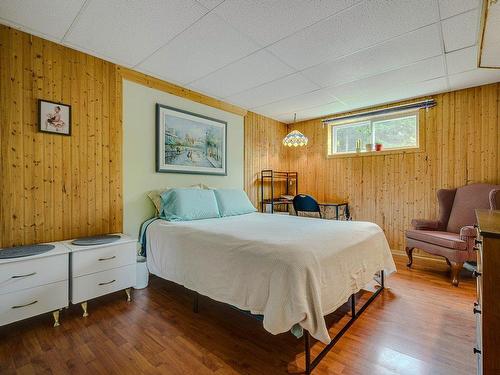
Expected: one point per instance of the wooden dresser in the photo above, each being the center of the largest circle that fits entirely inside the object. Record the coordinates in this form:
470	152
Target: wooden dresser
487	307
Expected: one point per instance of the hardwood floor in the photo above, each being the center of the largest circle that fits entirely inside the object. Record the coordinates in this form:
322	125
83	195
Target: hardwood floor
421	325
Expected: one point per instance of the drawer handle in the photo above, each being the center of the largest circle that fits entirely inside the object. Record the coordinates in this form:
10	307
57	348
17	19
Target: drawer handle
476	274
476	311
478	242
21	276
109	282
108	258
28	304
477	351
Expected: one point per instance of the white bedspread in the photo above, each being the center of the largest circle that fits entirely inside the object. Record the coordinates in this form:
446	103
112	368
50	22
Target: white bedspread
289	269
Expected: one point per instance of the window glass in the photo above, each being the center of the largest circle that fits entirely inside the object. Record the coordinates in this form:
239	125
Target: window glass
396	132
345	136
392	131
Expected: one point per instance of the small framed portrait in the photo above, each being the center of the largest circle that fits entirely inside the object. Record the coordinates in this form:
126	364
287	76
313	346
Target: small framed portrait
54	117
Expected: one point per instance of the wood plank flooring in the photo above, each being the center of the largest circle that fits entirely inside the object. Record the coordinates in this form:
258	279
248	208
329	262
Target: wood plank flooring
421	325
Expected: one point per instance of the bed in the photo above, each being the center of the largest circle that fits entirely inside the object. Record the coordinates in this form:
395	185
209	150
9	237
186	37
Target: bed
291	270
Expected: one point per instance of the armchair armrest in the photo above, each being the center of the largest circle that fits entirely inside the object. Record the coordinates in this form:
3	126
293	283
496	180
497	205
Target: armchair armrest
495	199
468	234
423	224
467	231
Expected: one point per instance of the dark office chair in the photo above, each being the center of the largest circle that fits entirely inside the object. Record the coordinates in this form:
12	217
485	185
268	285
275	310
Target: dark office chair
305	203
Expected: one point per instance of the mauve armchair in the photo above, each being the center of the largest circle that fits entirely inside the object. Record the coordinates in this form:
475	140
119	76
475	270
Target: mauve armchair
452	235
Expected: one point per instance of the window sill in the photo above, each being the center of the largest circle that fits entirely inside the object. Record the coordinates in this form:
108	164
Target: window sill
375	153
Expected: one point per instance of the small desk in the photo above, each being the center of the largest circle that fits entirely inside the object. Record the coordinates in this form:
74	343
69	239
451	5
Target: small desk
337	205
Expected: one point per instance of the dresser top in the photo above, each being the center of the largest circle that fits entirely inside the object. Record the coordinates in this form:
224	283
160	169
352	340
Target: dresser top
489	222
123	240
59	249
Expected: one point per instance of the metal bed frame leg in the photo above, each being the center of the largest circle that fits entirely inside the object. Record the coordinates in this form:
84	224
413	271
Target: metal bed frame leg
195	302
310	365
353	305
307	344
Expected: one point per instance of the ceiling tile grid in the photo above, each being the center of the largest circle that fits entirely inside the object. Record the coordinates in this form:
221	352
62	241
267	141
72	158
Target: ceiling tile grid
200	50
41	17
361	26
282	88
129	32
249	72
461	31
276	57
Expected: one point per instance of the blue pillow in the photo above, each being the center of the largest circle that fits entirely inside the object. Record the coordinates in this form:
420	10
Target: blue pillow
233	202
188	204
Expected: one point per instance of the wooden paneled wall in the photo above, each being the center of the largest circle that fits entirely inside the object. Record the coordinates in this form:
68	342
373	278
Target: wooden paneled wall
460	146
263	150
56	187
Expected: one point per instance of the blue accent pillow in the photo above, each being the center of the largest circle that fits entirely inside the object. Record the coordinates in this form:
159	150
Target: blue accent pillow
233	202
188	204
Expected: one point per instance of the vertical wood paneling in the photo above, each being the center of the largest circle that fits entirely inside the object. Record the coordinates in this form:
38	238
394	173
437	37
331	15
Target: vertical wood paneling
263	150
461	146
56	187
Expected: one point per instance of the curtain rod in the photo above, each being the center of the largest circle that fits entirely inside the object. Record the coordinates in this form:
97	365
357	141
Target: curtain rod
429	103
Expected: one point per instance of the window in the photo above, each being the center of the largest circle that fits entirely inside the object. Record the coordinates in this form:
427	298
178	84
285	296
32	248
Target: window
394	131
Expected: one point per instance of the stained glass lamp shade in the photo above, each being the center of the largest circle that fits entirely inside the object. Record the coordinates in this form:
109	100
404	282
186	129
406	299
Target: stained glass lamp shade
295	139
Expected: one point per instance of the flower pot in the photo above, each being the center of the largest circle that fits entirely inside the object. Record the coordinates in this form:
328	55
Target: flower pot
378	147
368	147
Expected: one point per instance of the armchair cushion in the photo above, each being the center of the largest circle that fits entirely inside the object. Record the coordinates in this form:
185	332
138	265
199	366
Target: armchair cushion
468	198
425	224
444	239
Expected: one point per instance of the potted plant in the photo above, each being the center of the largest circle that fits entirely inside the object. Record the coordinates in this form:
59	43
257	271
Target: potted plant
378	146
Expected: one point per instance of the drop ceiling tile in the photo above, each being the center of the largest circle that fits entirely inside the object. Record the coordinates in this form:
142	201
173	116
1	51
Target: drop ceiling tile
461	31
462	60
358	27
291	85
268	21
297	103
251	71
320	111
377	86
449	8
210	4
131	32
395	53
47	17
398	92
473	78
205	47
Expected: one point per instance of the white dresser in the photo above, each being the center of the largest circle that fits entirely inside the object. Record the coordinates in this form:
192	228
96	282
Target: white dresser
102	269
34	285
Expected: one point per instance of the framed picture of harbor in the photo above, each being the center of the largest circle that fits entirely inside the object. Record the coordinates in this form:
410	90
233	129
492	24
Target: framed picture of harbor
187	142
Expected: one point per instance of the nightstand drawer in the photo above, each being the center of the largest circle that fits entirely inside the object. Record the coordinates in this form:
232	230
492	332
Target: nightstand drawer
103	258
30	273
98	284
35	301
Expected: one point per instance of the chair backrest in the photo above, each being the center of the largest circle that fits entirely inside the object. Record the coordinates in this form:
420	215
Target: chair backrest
305	203
467	199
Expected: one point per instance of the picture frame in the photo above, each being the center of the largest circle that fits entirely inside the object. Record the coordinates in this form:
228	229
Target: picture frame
188	142
54	117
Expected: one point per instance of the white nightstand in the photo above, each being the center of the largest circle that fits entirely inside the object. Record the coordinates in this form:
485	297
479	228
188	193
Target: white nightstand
34	285
102	269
